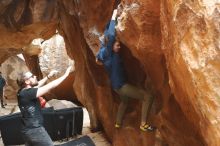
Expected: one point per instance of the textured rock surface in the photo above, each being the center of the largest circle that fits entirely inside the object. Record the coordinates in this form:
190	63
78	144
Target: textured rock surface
191	44
92	85
22	21
170	47
10	69
53	55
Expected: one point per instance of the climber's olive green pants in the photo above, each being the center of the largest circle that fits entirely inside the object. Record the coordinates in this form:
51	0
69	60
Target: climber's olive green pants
129	91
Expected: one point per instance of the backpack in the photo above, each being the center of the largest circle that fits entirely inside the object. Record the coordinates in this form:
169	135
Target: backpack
2	82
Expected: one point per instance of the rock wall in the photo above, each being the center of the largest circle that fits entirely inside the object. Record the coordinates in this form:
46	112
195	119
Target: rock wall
10	69
53	56
169	47
191	45
22	21
92	86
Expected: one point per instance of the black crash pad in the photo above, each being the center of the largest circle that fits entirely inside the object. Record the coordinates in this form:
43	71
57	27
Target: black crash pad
82	141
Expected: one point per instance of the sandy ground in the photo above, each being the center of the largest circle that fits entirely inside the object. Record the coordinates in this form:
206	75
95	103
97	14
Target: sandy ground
97	137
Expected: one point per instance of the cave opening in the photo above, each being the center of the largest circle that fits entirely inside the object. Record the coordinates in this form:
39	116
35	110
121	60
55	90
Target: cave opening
52	56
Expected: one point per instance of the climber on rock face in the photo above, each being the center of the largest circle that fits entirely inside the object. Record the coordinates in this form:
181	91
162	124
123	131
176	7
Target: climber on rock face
109	56
33	132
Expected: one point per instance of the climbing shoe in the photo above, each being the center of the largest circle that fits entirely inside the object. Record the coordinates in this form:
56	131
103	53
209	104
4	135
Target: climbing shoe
117	125
147	127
